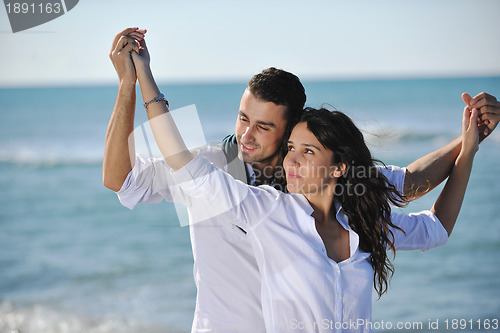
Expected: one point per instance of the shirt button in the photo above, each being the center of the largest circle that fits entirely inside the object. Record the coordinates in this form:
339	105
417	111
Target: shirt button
336	268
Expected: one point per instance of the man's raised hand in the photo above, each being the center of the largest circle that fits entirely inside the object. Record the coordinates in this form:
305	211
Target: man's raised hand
124	43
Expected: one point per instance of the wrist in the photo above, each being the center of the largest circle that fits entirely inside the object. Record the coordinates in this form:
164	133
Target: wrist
465	157
127	82
144	75
142	68
148	85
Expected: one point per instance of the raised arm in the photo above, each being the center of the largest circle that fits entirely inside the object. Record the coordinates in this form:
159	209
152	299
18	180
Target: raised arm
166	134
449	202
429	171
119	152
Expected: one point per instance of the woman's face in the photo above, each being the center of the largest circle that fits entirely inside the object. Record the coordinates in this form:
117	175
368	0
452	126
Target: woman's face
308	165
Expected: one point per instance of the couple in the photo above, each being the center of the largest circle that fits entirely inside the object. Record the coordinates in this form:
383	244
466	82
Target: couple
275	262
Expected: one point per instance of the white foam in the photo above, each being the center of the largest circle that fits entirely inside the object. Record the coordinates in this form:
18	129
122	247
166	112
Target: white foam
42	319
50	153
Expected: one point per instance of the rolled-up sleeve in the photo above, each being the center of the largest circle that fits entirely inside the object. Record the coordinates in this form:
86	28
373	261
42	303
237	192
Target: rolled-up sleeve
422	231
395	175
213	192
149	181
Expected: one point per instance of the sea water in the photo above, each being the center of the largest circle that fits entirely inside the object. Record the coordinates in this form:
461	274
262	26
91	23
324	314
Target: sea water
72	259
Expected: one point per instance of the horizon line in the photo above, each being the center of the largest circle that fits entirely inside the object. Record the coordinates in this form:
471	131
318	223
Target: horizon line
224	81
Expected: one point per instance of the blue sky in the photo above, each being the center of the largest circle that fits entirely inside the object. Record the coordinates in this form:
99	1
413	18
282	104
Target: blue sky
231	40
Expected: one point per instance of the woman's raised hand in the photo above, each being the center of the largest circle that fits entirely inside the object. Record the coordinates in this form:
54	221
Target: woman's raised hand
141	57
470	132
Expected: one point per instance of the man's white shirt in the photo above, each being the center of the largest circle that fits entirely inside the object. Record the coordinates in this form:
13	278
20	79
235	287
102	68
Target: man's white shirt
225	270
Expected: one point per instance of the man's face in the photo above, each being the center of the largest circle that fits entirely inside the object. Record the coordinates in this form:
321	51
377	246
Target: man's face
259	129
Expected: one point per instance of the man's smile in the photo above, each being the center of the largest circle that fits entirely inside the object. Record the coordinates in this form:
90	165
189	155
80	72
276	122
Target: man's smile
247	148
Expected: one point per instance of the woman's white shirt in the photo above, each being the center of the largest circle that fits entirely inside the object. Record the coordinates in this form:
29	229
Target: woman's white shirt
302	289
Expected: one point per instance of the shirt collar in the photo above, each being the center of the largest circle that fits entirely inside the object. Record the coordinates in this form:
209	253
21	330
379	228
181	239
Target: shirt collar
304	204
340	214
251	175
343	220
338	207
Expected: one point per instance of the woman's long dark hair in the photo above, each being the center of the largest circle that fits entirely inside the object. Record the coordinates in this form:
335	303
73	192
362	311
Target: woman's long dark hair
367	203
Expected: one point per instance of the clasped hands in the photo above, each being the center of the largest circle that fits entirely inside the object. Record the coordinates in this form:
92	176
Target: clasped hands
128	53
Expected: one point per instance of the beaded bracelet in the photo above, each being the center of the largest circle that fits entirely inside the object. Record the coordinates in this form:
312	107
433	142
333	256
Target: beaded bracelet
160	97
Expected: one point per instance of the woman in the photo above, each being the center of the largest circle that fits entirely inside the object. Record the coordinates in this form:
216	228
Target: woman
321	247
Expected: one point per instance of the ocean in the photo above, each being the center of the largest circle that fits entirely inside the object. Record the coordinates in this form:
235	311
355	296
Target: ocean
72	259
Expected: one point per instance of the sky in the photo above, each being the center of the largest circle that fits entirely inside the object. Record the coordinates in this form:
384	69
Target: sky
227	41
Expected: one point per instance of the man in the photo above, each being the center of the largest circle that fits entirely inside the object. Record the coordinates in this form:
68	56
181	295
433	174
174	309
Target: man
226	273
